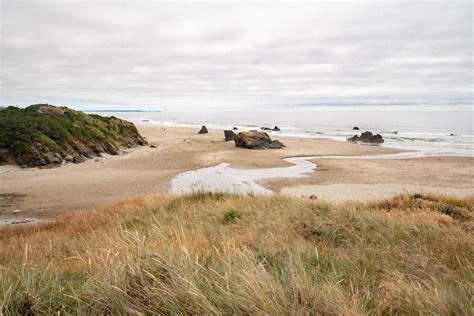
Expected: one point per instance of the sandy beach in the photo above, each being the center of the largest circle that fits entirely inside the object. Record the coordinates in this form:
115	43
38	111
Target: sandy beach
47	193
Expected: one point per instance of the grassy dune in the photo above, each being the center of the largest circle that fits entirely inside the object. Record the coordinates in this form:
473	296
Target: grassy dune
224	254
44	135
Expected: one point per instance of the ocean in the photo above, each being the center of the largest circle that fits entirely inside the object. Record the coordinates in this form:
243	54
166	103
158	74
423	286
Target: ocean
435	129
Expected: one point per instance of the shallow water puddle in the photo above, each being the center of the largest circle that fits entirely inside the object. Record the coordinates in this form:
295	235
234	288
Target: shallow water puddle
224	178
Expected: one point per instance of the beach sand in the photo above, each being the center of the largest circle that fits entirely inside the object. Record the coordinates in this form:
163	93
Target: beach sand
46	193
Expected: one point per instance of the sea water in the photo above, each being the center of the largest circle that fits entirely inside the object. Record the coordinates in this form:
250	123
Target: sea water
437	128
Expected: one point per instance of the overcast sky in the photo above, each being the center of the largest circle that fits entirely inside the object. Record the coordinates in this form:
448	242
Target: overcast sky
110	54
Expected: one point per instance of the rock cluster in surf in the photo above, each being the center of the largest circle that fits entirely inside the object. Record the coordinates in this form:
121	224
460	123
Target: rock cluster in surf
275	129
367	137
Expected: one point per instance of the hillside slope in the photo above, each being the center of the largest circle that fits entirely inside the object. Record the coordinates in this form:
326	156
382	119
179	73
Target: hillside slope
45	135
224	254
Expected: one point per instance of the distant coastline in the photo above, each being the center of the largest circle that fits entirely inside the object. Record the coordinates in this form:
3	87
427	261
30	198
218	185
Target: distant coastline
120	111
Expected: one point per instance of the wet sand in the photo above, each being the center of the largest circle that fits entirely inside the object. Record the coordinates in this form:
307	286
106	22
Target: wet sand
46	193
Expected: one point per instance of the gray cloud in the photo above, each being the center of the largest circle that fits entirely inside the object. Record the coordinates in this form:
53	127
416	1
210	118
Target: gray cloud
146	54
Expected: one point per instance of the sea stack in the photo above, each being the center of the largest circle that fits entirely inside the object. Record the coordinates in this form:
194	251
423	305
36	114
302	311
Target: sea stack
203	130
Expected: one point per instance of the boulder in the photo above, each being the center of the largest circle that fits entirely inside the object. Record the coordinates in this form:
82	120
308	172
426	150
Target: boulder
256	140
229	135
355	128
234	128
203	130
367	137
152	146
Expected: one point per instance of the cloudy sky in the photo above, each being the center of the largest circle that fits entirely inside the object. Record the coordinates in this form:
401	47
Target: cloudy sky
137	54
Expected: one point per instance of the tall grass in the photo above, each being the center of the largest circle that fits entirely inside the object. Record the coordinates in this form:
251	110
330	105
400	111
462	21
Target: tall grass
223	254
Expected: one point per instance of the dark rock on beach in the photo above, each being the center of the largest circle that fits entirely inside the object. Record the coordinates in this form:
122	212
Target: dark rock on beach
203	130
229	135
355	128
256	140
367	137
234	128
275	129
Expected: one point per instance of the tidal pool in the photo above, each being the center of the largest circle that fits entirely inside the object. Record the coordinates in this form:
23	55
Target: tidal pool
224	178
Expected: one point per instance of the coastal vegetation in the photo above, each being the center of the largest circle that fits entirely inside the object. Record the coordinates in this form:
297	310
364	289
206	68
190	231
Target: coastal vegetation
45	135
215	253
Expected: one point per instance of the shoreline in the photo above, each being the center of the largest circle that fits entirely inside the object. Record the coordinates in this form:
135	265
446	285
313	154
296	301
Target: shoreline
434	142
47	193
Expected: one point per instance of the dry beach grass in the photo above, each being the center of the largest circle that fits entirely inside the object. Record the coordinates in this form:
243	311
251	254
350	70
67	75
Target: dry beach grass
210	253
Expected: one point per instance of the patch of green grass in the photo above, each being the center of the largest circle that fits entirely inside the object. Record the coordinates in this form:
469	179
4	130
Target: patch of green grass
231	216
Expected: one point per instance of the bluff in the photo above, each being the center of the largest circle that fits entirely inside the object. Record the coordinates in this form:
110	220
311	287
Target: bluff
45	135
